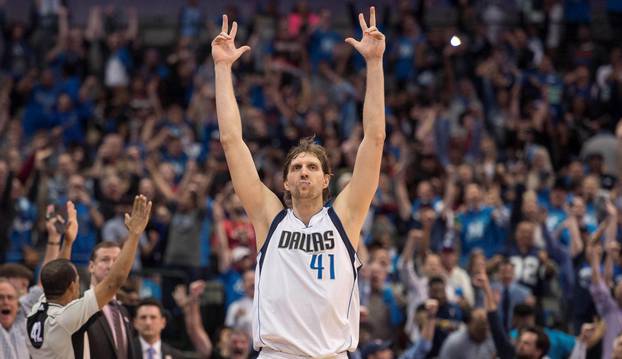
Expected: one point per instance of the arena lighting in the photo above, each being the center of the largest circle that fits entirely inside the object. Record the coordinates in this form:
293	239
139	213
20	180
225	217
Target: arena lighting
455	41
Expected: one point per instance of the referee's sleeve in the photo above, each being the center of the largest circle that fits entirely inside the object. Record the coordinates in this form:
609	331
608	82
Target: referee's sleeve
78	312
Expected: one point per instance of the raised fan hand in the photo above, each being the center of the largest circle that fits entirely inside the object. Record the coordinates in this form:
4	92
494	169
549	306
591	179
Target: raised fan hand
372	45
72	222
223	46
137	221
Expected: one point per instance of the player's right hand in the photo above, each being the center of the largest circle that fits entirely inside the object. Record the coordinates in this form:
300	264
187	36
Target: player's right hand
223	46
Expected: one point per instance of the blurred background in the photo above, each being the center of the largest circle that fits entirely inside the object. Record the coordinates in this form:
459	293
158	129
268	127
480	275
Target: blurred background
504	144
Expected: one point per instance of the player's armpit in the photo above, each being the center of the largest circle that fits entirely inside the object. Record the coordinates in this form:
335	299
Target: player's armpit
261	204
352	204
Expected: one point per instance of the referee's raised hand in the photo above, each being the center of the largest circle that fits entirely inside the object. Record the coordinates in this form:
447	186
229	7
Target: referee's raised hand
137	221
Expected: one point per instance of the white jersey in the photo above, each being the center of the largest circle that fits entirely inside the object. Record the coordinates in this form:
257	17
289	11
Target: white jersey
306	291
54	331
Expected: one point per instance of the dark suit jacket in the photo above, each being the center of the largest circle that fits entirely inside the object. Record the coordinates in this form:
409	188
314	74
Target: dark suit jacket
166	350
101	341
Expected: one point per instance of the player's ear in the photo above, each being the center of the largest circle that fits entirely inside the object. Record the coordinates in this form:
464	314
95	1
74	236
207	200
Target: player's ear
326	181
285	185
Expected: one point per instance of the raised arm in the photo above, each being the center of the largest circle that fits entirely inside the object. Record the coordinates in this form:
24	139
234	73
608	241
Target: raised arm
260	203
52	248
192	317
71	232
136	224
503	344
353	202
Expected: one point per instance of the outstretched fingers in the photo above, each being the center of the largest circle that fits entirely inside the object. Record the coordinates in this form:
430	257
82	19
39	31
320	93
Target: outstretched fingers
234	30
225	24
352	42
372	16
135	205
362	22
243	49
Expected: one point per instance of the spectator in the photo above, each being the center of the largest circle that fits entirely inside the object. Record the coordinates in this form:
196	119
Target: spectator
449	315
477	224
13	331
113	317
149	322
529	266
457	277
239	313
472	341
510	292
189	302
18	275
384	313
608	305
561	344
377	349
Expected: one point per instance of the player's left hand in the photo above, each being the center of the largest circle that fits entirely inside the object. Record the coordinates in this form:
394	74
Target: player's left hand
372	45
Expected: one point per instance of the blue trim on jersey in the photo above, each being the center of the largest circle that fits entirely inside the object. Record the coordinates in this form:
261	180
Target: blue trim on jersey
275	222
344	237
264	249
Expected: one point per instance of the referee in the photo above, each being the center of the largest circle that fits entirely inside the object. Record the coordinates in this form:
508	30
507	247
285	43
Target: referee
54	322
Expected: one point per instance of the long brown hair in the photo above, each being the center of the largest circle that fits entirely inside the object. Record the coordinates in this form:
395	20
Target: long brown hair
307	145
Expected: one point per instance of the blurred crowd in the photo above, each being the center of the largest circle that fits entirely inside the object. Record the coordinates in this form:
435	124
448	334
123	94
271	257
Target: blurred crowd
503	156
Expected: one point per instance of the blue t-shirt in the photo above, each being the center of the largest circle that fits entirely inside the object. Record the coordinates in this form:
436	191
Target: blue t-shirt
404	50
477	230
87	236
321	46
21	230
234	287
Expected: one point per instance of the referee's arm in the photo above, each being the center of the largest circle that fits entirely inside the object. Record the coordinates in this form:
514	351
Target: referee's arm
136	224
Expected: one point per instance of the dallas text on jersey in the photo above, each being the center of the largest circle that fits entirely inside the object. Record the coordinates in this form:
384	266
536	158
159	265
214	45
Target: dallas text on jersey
308	242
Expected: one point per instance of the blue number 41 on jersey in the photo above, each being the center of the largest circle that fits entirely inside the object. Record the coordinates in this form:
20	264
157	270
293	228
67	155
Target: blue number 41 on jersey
316	264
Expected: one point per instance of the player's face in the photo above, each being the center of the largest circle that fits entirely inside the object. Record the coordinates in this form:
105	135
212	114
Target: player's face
305	178
149	321
104	259
8	305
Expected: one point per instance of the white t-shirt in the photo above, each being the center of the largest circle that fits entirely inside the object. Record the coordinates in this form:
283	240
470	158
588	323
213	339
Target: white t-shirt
240	315
59	326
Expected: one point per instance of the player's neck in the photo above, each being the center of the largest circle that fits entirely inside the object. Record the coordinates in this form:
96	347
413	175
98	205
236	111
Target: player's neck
304	210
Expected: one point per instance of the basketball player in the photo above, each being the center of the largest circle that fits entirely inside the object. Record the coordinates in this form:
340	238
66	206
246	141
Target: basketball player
306	301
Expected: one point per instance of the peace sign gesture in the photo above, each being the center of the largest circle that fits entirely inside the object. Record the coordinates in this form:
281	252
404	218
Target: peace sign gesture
223	48
372	45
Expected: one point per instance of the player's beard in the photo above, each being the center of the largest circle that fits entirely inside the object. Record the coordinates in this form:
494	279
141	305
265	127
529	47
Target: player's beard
307	194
